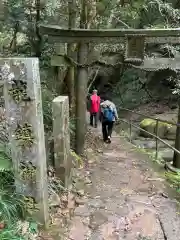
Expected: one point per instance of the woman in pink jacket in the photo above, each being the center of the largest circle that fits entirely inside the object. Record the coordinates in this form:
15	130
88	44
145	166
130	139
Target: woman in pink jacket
94	108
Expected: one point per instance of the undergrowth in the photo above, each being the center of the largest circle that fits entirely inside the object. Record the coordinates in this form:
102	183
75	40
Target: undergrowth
12	205
174	180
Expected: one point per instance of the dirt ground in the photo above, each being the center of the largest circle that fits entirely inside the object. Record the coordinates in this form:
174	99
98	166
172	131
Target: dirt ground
126	200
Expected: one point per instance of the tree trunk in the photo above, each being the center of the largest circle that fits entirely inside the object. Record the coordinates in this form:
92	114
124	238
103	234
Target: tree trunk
81	86
176	158
38	44
70	46
13	44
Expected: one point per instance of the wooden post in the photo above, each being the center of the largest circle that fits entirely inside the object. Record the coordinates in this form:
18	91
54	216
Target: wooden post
3	10
81	94
70	73
130	131
60	66
61	135
81	86
22	94
176	158
156	129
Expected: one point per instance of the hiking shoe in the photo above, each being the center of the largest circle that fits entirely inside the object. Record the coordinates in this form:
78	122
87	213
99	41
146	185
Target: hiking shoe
109	139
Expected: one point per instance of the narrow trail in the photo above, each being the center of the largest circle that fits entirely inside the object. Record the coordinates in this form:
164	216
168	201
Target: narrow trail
126	200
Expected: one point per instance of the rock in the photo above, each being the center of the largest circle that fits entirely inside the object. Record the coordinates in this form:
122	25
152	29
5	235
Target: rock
167	155
82	211
90	153
87	180
79	184
91	161
54	200
148	125
144	143
81	192
171	132
165	130
150	144
96	203
100	151
80	201
96	235
97	219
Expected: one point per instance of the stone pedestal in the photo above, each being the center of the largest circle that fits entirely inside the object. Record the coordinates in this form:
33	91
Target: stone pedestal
22	94
61	134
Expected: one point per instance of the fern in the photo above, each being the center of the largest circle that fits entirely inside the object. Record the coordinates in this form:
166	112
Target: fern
11	206
10	233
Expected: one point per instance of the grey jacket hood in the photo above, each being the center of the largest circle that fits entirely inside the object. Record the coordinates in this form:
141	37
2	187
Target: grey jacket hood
111	105
107	103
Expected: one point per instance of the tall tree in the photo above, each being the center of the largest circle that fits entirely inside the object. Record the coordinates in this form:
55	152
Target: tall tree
70	73
176	158
81	84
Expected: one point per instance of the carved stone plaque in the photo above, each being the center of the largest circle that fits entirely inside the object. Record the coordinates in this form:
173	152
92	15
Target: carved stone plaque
135	45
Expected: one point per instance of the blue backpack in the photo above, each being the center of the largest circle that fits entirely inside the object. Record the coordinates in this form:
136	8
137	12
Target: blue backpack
108	114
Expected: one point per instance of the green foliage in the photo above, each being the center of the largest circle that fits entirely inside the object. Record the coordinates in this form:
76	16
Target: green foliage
129	91
20	231
77	160
5	160
174	180
10	233
11	206
47	98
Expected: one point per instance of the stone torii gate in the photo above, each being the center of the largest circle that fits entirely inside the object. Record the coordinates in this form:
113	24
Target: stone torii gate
135	39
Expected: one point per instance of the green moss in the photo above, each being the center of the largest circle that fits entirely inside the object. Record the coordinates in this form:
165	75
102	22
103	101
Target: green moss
164	129
151	122
147	122
163	124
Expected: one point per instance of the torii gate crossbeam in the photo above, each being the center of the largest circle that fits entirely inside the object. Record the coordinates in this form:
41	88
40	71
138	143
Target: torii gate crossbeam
56	33
135	40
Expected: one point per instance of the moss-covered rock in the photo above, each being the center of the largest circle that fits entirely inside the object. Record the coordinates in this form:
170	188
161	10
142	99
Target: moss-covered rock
148	125
171	132
165	130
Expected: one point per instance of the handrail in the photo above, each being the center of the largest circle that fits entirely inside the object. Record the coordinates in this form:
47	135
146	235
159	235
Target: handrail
143	115
151	134
160	139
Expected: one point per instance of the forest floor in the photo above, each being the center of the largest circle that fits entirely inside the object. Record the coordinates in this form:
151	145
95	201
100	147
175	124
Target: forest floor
126	200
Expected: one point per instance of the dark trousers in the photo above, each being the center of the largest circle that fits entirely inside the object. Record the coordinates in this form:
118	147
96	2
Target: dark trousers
107	128
93	116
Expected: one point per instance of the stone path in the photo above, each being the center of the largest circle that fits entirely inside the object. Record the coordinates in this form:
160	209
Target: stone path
126	200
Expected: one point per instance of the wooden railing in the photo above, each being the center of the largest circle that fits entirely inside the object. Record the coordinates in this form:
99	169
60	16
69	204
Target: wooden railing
157	138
